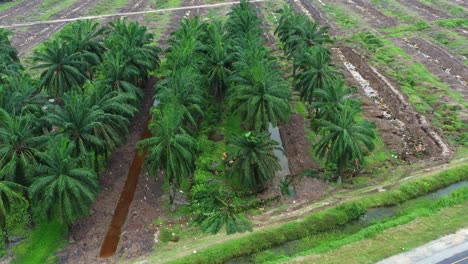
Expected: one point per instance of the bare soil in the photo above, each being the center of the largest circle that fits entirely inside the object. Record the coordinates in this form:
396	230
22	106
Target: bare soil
8	15
439	62
425	11
139	233
374	16
25	40
87	234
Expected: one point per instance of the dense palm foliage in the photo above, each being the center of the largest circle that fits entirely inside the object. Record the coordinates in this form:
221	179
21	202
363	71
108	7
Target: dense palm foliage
255	162
170	149
54	129
342	137
64	188
10	193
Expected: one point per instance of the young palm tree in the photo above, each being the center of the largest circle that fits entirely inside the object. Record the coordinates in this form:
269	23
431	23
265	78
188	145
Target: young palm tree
19	147
333	99
63	188
63	68
5	46
85	35
118	109
261	97
170	149
255	162
9	193
183	88
135	45
117	74
217	61
242	19
315	72
342	139
9	61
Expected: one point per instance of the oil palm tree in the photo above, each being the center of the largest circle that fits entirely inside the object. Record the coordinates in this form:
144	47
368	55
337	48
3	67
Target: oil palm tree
63	68
242	19
63	188
315	72
333	99
343	138
261	97
183	88
217	61
117	74
19	147
9	61
170	149
10	193
135	45
255	162
78	121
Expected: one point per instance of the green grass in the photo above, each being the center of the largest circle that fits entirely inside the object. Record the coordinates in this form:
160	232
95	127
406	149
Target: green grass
394	9
423	89
452	22
395	240
6	5
108	7
342	17
407	212
52	7
41	245
325	220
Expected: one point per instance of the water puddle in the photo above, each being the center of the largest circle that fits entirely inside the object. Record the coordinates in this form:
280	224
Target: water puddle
283	160
111	241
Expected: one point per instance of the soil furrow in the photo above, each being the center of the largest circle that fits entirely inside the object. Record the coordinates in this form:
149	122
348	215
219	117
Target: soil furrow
8	15
425	11
138	233
444	66
419	138
372	15
25	40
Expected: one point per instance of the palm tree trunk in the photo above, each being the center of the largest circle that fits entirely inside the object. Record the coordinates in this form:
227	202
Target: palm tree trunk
171	195
96	162
6	240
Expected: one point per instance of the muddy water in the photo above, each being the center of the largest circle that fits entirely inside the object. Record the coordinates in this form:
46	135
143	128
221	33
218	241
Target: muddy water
111	241
283	160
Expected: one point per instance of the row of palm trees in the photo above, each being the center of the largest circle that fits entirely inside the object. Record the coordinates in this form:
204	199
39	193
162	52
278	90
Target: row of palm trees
55	130
227	64
343	136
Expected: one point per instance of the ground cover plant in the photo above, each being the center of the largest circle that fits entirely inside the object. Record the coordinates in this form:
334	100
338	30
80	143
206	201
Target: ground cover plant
246	121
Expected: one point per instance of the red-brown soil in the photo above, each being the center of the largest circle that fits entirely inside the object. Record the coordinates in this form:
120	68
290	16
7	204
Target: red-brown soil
88	233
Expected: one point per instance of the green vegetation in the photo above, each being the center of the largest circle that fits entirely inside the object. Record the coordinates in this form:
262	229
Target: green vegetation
422	88
6	4
342	135
406	213
395	240
452	23
343	18
57	130
325	220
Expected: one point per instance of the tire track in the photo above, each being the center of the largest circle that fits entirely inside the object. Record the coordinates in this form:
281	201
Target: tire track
6	16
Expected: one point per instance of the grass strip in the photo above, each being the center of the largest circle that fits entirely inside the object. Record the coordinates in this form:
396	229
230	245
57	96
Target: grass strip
325	220
40	246
395	240
413	210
